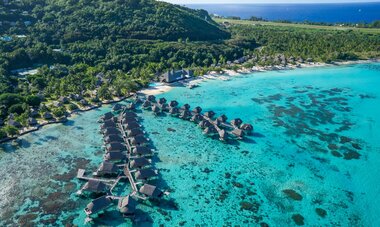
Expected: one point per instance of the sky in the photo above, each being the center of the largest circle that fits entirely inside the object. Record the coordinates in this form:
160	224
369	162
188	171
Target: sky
262	1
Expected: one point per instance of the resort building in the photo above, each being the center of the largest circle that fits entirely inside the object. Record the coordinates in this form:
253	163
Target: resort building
107	168
98	205
176	75
151	191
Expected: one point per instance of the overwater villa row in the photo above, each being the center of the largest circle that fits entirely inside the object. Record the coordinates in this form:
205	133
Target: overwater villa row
127	157
207	121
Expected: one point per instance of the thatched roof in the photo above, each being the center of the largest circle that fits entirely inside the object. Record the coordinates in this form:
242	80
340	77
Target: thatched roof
107	168
127	205
114	156
107	116
246	127
139	163
161	100
151	98
173	110
134	132
151	191
209	114
238	132
111	131
145	174
116	146
132	125
185	107
94	186
197	110
236	122
138	140
98	204
173	103
129	114
113	138
222	118
140	150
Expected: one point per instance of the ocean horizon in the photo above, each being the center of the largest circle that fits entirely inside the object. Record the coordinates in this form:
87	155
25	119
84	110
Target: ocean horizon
325	12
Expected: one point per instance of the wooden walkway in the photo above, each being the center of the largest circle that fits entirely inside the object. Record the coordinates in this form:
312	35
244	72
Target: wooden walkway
81	173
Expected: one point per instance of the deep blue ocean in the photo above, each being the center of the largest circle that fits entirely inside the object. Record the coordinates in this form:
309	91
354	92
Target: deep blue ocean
330	13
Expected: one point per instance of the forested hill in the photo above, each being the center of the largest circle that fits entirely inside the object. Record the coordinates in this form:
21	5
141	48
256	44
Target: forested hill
55	21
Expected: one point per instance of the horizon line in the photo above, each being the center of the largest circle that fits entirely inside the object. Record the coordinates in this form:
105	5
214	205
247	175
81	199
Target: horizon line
279	3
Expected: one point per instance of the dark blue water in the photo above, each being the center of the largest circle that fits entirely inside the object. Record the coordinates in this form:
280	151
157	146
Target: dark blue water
329	13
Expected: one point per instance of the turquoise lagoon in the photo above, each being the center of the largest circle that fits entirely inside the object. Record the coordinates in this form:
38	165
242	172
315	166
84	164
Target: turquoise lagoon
314	158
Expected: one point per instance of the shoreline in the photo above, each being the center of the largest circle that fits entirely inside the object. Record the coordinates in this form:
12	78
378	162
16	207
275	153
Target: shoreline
161	88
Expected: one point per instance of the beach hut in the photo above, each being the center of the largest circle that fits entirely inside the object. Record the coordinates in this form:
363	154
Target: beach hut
145	174
209	114
134	132
146	104
238	133
114	157
127	206
151	191
151	98
107	168
248	128
94	186
161	101
138	140
222	118
142	151
32	121
139	163
116	147
107	116
113	138
185	107
98	205
174	111
14	123
197	110
196	118
111	131
131	125
236	122
47	116
173	103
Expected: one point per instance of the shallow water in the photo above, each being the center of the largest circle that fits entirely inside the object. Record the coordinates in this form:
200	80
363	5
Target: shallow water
315	146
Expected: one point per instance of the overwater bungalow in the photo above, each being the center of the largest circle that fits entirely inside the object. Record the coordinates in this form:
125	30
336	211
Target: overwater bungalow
161	101
116	147
94	186
142	151
236	122
151	191
111	131
138	163
127	206
108	124
107	116
174	111
238	133
185	107
204	124
114	157
196	118
173	103
185	114
210	114
209	130
145	174
151	98
134	132
156	109
222	134
97	205
146	104
128	120
131	125
138	140
222	118
129	114
113	138
107	169
247	128
197	110
117	107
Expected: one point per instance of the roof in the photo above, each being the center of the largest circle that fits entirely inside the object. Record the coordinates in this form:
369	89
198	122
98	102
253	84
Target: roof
173	110
197	109
134	132
185	107
127	120
151	98
222	118
94	186
111	131
197	117
204	123
116	146
156	109
117	107
145	173
114	156
127	205
162	100
113	138
108	124
139	139
129	114
151	191
146	103
107	116
209	114
236	121
99	204
238	132
108	168
131	125
247	127
173	103
140	150
139	162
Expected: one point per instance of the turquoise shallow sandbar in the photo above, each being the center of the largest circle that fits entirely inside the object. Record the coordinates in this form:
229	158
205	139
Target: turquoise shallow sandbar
314	158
